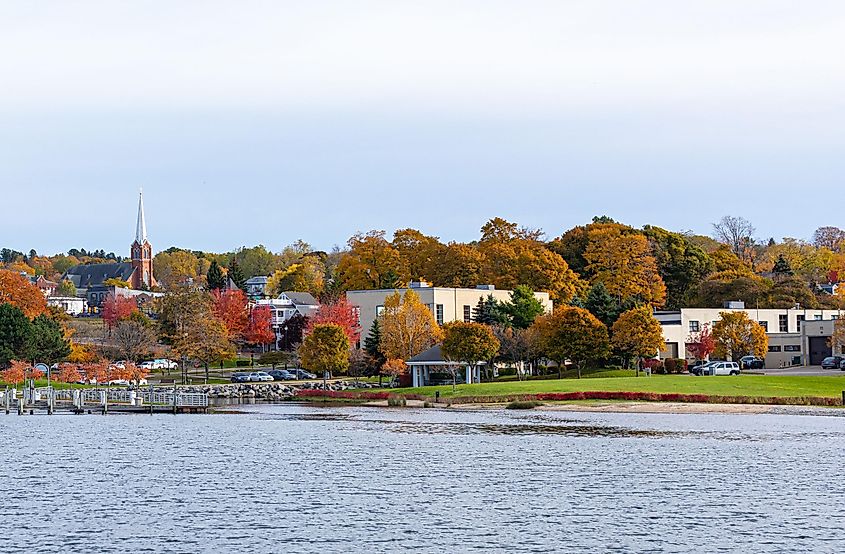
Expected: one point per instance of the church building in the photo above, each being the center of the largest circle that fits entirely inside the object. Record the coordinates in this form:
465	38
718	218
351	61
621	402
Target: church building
89	279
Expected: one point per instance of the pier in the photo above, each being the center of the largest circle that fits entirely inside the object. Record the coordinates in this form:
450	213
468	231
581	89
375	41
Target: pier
101	401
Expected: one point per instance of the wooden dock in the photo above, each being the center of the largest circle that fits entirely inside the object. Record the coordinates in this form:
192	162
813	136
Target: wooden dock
102	401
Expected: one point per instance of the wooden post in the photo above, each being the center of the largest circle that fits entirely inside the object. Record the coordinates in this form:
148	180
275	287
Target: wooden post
843	398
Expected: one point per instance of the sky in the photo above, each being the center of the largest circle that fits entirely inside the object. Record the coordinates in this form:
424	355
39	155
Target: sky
255	122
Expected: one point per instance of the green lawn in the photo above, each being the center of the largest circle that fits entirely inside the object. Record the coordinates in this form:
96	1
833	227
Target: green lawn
742	385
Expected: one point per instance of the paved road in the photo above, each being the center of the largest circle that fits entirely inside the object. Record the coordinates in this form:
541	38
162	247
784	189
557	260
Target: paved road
812	371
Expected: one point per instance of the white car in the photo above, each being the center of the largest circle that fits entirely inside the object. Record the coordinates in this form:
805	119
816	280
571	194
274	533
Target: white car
721	368
163	363
149	366
259	376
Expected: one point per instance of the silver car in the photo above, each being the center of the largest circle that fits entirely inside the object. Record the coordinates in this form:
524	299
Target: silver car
260	376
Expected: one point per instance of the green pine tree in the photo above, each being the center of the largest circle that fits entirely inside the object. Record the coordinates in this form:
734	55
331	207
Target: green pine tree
603	305
782	266
15	333
372	343
47	341
215	278
237	275
523	307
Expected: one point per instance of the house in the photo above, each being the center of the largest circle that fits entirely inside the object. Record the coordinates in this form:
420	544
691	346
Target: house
446	304
431	368
255	288
138	272
797	336
287	305
47	287
71	305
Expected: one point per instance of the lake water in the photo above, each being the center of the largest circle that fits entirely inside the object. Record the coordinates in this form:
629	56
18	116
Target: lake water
295	478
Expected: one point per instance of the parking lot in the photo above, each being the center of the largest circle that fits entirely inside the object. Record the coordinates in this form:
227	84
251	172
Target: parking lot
810	371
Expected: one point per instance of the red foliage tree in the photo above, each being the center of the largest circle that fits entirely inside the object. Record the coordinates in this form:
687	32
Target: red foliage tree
230	307
117	308
16	372
134	372
702	344
95	372
340	313
260	330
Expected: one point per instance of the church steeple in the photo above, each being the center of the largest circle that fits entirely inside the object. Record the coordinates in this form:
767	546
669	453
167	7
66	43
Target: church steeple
142	252
141	227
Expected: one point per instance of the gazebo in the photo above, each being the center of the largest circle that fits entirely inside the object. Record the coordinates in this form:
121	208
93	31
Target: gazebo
426	365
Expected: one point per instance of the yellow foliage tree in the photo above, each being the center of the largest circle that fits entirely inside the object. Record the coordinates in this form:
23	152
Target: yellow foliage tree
15	289
305	276
738	335
407	327
637	334
176	267
624	264
370	263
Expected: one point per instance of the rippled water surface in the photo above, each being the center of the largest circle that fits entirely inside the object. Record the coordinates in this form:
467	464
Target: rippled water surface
293	478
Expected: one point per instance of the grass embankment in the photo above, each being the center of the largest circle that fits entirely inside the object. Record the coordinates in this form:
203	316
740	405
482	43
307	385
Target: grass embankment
762	389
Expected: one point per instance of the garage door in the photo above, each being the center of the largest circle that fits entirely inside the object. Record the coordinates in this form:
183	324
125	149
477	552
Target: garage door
819	350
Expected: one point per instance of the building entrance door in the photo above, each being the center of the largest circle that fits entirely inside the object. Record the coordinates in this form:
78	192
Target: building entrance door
819	350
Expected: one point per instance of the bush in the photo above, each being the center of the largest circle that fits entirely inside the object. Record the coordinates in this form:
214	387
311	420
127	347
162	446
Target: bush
670	365
523	405
396	401
242	363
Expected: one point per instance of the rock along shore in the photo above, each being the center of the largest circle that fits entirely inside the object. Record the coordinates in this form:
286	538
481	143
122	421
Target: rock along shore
277	390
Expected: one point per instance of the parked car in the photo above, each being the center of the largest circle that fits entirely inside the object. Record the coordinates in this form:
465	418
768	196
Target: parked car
149	366
281	375
832	362
694	367
842	364
751	362
701	368
259	376
240	377
302	374
722	368
164	363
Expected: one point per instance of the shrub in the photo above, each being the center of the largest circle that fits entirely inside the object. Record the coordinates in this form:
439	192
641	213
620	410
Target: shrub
397	401
242	363
670	365
523	405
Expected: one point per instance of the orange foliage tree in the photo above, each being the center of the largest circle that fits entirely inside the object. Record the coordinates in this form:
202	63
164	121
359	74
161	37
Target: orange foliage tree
340	313
134	372
15	289
230	307
15	373
68	373
95	372
117	308
259	330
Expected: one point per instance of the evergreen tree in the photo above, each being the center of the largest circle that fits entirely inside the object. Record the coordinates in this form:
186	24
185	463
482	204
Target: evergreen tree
47	342
523	307
782	267
371	346
237	275
390	280
215	278
489	312
15	333
603	305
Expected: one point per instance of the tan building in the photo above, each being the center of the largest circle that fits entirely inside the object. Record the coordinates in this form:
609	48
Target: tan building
797	336
447	304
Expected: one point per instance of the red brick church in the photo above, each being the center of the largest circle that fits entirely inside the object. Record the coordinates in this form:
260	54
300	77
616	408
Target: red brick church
89	279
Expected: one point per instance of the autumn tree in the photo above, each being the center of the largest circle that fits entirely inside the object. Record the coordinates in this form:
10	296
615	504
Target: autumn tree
135	373
455	265
407	326
175	266
738	234
68	373
624	264
832	238
206	341
737	335
66	288
230	307
371	263
15	373
682	265
514	347
416	253
637	334
394	367
325	348
117	308
307	275
133	340
15	289
468	343
341	313
574	334
259	329
701	344
254	261
837	339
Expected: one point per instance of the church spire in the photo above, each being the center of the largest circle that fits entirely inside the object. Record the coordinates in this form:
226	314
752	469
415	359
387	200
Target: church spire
141	228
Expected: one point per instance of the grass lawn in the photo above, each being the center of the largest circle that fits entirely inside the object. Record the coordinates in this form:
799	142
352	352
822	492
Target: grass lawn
742	385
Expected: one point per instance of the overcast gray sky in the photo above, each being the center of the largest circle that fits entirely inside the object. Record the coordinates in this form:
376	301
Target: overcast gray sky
262	122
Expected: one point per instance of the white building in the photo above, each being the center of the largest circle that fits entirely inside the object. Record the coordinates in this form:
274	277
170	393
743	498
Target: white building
72	305
797	336
447	304
287	305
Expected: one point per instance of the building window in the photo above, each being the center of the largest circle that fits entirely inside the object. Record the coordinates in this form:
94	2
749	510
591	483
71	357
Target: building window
764	325
774	349
694	326
438	314
792	348
467	313
783	323
817	317
798	320
834	317
379	311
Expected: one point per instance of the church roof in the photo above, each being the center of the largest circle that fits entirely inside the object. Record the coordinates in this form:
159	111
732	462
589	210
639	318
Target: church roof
85	276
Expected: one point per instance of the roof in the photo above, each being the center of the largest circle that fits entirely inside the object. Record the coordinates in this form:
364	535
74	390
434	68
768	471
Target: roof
85	276
433	354
257	280
301	298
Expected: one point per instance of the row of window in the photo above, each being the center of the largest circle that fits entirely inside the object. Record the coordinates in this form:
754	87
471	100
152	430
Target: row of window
783	323
786	348
438	312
